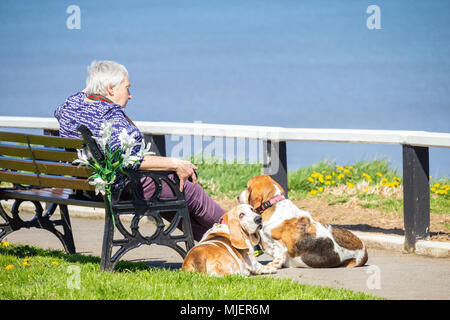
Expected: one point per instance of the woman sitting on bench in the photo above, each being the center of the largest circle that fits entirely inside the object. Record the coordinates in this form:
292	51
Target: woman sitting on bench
105	97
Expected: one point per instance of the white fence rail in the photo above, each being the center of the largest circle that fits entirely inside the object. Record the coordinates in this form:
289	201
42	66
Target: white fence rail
399	137
415	147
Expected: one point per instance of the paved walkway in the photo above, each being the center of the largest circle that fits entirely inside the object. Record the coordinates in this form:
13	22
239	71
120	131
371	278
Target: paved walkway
389	274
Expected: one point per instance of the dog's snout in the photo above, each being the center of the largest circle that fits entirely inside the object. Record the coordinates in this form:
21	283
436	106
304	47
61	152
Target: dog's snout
258	220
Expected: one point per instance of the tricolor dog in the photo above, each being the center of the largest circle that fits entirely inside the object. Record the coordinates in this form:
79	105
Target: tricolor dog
227	248
292	237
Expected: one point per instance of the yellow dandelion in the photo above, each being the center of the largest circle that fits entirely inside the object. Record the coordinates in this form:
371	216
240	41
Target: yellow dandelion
436	185
328	177
379	174
340	176
26	262
9	267
310	179
320	189
384	180
347	171
5	244
55	263
313	192
349	184
327	183
321	179
333	181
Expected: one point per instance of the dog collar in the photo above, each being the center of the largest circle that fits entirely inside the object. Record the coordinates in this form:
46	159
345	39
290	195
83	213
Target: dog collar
270	203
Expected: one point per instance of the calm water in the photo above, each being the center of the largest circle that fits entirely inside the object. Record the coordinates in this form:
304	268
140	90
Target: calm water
274	63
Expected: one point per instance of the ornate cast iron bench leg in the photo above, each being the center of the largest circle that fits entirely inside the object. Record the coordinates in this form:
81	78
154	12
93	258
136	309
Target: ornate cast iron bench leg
40	220
140	209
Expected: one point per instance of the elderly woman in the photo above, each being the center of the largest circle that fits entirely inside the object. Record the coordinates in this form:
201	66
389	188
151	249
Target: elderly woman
105	97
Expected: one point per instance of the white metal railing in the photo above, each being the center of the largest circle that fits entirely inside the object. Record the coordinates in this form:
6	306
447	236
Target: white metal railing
399	137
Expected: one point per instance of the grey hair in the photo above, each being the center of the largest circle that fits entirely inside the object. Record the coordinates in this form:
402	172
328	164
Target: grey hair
103	73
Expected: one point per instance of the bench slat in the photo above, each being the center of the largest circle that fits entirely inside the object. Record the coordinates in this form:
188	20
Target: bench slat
45	181
41	154
55	195
45	167
49	141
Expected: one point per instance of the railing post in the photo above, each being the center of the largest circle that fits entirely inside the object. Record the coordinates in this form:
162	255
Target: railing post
158	144
275	162
416	195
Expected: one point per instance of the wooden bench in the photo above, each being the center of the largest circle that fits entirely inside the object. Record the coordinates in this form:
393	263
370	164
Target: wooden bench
39	169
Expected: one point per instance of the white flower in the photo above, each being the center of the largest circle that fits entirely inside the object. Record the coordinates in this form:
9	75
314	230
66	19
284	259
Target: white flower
106	128
105	132
83	158
99	184
143	151
102	141
127	141
128	159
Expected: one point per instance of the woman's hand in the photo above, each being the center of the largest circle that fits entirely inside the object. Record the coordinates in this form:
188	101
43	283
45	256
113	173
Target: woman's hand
185	170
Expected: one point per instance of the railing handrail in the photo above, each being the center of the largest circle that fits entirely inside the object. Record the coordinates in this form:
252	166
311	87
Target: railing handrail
399	137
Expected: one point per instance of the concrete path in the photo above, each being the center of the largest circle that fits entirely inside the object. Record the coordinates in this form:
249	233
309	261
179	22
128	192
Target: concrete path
389	273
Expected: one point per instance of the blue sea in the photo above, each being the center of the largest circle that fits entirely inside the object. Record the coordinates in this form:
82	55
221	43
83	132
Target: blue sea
305	64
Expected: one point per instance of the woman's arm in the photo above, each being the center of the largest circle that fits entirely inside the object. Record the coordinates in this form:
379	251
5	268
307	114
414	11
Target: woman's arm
183	168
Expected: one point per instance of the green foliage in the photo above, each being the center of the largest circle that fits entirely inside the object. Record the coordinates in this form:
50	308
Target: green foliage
223	179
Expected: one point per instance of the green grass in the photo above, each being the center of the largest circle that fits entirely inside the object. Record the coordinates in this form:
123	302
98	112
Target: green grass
50	275
227	180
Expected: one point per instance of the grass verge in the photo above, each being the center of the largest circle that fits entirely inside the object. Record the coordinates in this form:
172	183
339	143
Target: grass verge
31	273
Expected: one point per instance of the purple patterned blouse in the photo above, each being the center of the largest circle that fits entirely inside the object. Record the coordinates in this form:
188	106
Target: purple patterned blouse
76	111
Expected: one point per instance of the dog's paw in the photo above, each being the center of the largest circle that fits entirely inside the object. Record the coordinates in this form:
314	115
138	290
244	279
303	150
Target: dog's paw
277	263
268	269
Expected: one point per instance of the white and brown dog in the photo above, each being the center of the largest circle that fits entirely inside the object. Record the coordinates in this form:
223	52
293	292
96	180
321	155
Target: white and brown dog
227	248
292	237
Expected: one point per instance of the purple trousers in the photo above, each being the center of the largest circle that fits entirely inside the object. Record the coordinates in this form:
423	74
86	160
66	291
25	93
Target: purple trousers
203	210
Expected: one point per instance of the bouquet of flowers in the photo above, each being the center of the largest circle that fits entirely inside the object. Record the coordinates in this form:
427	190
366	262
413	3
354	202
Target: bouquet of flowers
114	161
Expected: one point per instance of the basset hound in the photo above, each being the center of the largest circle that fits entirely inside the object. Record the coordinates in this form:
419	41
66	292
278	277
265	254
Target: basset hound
227	248
292	237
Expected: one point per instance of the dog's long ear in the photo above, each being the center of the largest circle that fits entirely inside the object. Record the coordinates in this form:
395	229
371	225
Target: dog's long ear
254	199
236	233
254	238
